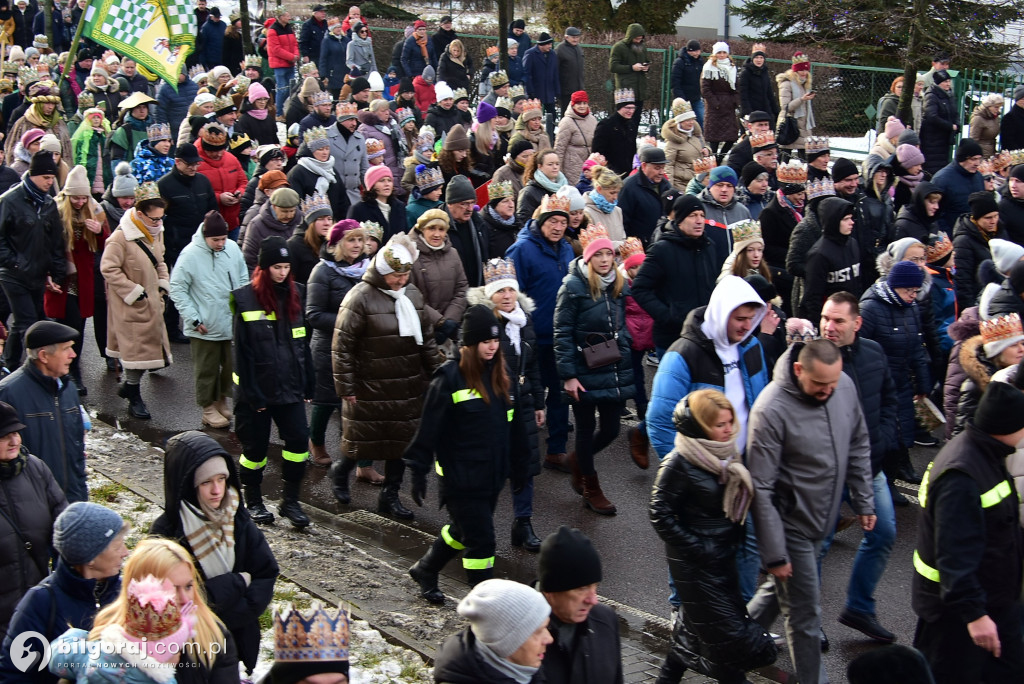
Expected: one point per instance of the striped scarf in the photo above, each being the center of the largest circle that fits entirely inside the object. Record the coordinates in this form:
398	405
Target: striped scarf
211	533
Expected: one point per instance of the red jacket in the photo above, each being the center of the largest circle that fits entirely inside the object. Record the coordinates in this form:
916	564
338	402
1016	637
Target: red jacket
640	326
225	175
282	45
424	94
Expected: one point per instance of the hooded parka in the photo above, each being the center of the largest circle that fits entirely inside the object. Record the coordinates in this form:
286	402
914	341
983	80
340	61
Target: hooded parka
201	285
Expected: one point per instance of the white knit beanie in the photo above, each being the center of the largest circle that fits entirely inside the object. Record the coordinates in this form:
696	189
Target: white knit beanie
503	614
1005	254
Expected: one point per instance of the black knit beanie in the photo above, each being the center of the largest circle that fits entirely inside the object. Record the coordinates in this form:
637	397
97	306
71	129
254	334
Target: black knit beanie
1000	411
479	325
273	250
568	560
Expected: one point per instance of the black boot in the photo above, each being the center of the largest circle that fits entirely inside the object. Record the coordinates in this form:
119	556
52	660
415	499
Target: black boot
254	502
426	570
340	472
388	503
475	577
523	535
289	506
136	407
672	670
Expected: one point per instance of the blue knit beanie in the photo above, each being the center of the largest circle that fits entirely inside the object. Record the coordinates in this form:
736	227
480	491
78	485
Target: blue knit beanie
84	530
723	174
905	274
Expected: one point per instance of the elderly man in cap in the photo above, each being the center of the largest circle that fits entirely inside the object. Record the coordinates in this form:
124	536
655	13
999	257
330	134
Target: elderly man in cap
32	249
46	399
966	588
586	648
312	34
741	153
570	66
640	197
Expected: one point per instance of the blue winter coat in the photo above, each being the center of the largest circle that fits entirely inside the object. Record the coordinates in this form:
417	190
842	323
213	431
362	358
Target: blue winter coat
332	61
897	327
412	57
516	71
541	72
148	165
540	269
202	283
686	77
581	320
211	41
173	106
956	185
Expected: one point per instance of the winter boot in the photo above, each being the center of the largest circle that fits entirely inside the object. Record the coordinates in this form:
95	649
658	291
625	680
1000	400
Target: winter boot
340	473
594	498
213	418
318	455
289	506
475	577
254	502
426	570
672	670
639	448
388	503
577	477
523	535
136	407
222	408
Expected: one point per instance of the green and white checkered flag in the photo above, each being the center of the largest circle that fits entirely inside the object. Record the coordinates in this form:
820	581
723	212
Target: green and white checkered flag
181	21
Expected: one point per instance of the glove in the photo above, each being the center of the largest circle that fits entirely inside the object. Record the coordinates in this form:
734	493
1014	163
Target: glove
419	488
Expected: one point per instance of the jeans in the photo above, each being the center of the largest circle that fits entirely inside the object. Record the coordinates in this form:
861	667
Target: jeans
799	601
27	307
522	503
698	109
282	75
557	412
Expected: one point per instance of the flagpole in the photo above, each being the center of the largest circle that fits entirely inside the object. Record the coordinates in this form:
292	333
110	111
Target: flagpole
74	43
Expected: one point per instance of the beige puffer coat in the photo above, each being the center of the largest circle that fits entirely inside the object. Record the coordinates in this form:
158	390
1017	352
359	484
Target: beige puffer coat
573	141
439	276
681	151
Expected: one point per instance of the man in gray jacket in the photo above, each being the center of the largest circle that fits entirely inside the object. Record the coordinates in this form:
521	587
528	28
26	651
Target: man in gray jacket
348	147
807	439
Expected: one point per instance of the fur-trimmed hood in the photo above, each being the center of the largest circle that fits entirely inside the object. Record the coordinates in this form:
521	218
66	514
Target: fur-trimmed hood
477	295
974	362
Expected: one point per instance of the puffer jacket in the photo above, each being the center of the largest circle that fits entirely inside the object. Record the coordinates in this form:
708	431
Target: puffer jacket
956	186
701	545
500	235
32	242
865	362
875	221
574	140
272	359
394	224
387	133
824	444
459	663
790	104
441	119
756	90
622	58
148	164
979	369
282	45
833	263
971	249
1005	301
966	327
201	286
172	107
803	237
439	275
264	225
717	219
985	129
720	101
897	326
325	292
777	224
540	269
681	150
386	373
581	320
913	220
686	77
302	256
937	120
31	499
237	601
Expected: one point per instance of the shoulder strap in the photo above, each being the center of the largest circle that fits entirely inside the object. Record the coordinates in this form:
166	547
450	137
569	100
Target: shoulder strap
43	570
142	245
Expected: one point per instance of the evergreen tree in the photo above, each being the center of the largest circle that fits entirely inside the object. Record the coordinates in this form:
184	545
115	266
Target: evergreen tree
599	15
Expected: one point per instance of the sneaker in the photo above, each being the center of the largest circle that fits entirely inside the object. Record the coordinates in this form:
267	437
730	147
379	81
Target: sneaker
626	414
651	359
866	624
925	439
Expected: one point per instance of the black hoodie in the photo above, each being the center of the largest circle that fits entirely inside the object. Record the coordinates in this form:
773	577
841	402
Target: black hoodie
237	605
913	220
833	264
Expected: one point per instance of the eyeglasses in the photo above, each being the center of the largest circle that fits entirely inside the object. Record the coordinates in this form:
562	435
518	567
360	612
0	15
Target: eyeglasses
155	221
191	165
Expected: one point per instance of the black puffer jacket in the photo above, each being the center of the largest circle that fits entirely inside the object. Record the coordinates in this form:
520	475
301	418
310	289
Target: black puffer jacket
701	544
32	242
875	221
913	220
757	92
188	200
833	263
581	320
979	369
1011	215
441	119
459	663
971	248
272	359
938	117
803	237
325	291
777	224
237	604
961	330
304	260
31	500
897	327
864	361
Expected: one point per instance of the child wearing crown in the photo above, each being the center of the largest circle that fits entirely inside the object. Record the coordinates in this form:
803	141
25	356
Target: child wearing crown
641	330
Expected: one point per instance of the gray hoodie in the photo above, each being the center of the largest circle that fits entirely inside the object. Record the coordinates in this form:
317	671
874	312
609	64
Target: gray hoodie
800	455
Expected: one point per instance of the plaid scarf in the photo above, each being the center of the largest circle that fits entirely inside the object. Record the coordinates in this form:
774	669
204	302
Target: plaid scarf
211	533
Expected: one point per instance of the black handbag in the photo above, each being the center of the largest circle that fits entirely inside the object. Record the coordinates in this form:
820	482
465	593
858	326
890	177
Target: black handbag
603	353
788	131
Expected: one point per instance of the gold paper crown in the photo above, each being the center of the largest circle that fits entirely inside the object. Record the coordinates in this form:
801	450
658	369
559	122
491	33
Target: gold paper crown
86	100
532	105
315	202
320	97
704	164
1001	161
253	61
516	91
314	134
40	42
624	96
1016	157
6	85
985	168
313	635
500	190
816	144
306	69
157	132
631	246
152	612
592	234
498	79
680	106
44	92
552	203
373	230
27	75
347	109
792	172
938	246
223	102
460	94
10	68
196	71
429	177
374	147
822	187
146	191
762	140
239	141
1002	328
499	269
241	84
745	230
214	133
503	103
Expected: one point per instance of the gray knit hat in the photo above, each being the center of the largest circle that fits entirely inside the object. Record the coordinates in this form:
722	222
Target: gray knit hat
84	530
459	189
124	182
503	614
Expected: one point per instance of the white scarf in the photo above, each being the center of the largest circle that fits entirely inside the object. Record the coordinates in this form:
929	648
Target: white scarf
516	320
408	319
323	169
722	68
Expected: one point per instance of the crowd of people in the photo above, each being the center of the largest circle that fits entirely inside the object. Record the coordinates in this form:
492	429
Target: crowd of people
459	284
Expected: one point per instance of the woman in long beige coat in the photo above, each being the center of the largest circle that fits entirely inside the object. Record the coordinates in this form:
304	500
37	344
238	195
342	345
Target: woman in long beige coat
137	279
985	123
795	96
684	144
575	136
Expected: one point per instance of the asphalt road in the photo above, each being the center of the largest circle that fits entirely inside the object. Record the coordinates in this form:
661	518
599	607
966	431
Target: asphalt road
634	568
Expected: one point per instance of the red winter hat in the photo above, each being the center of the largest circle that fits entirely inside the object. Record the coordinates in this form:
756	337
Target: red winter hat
579	96
800	62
